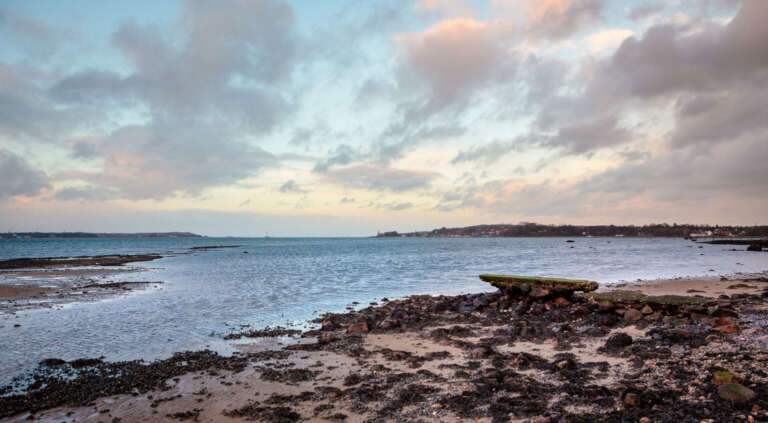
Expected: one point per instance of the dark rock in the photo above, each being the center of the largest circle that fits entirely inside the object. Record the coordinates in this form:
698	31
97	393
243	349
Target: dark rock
618	341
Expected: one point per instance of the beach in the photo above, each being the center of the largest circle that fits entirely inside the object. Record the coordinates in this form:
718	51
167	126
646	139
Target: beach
474	357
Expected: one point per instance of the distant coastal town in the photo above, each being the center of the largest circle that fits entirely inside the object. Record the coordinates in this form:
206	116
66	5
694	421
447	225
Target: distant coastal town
527	229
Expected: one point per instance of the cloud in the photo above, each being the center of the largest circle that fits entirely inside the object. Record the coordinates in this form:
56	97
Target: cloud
87	193
396	206
380	178
607	39
290	186
209	94
552	20
342	155
450	8
645	10
486	154
449	62
166	158
17	178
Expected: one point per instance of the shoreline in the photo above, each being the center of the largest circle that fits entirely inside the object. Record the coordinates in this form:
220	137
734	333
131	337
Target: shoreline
50	282
454	358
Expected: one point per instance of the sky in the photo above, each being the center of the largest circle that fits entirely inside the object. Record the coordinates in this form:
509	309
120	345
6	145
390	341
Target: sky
344	118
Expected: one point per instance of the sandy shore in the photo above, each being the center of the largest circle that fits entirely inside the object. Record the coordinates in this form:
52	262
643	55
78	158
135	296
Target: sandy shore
481	358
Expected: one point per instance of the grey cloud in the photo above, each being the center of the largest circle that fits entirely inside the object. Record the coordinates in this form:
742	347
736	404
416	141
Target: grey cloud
409	138
84	150
88	193
342	155
379	178
18	178
396	206
202	127
584	137
290	186
159	160
447	64
714	73
486	154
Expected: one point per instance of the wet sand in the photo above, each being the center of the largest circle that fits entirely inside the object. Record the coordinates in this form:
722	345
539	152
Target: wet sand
480	357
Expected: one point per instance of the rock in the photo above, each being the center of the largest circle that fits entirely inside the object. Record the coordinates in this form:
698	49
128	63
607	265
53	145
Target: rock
755	247
735	392
53	362
728	329
328	325
644	420
618	341
538	286
326	337
724	377
630	399
359	327
560	301
633	315
647	310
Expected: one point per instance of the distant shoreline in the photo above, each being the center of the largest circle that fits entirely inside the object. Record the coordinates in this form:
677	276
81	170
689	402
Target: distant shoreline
661	230
25	235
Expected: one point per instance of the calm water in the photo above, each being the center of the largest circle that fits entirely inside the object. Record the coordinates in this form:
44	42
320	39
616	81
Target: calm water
210	293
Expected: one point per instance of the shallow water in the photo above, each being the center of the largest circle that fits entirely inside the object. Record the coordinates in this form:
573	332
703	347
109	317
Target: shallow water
208	294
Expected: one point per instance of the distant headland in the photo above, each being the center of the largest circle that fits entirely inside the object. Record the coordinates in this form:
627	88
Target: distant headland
539	230
98	235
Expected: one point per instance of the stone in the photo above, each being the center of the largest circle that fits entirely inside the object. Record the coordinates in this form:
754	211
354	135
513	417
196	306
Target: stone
647	310
755	247
723	377
630	399
728	329
328	325
633	315
618	341
359	327
326	337
644	420
735	392
560	301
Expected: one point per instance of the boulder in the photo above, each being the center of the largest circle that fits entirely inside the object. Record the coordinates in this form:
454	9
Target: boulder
735	392
755	247
633	315
618	341
537	286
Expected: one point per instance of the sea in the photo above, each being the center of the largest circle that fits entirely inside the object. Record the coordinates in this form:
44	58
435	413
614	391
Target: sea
207	294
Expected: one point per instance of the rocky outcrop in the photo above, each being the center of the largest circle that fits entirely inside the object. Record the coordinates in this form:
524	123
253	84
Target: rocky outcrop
535	286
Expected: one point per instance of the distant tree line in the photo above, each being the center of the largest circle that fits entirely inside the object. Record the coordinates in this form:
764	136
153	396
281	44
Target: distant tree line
527	229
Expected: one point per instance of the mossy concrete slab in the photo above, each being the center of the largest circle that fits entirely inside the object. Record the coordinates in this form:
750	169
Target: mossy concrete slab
537	285
637	297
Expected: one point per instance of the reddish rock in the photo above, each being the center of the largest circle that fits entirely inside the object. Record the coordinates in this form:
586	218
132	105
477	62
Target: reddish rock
359	327
630	400
633	315
728	329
